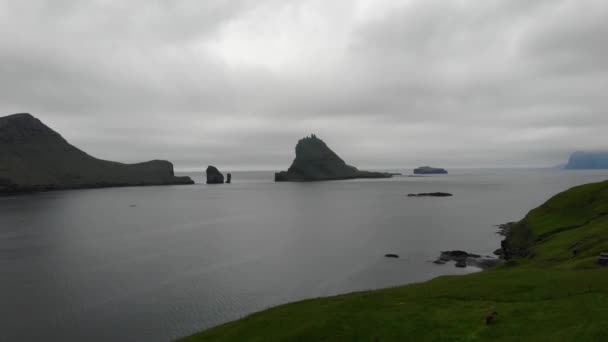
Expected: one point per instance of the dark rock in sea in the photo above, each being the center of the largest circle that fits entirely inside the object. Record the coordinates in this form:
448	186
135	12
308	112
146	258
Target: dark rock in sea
228	178
33	157
588	160
315	161
214	176
457	255
395	174
390	255
461	263
427	170
463	259
430	194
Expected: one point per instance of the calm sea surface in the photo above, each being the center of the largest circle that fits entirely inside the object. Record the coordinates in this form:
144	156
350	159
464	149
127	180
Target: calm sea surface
157	263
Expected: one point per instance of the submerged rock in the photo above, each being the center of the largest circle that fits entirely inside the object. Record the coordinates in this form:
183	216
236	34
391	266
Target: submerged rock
315	161
214	176
427	170
390	255
431	194
33	157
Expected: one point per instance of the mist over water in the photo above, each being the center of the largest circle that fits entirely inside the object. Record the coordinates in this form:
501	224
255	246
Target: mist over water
157	263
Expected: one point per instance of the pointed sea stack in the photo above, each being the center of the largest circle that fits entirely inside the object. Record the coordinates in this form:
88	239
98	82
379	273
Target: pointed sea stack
214	176
317	162
33	157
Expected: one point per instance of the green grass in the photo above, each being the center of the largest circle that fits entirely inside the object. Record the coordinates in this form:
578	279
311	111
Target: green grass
552	294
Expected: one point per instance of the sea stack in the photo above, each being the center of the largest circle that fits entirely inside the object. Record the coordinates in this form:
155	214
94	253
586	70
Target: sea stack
427	170
228	178
33	157
315	161
214	176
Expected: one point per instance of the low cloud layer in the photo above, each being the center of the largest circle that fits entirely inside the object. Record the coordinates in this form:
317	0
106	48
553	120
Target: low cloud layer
385	83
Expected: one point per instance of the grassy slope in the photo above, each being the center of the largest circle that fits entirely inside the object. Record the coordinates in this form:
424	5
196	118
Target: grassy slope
551	295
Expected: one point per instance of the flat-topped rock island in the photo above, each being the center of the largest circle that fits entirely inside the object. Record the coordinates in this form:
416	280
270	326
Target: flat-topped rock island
33	157
315	161
428	170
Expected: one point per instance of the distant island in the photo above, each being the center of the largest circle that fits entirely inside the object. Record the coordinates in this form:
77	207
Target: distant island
427	170
214	176
315	161
33	157
588	160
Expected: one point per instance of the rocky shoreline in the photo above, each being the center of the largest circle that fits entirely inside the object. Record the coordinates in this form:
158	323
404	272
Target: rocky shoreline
464	259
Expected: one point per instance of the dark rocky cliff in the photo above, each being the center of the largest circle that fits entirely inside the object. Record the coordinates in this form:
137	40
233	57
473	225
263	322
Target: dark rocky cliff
315	161
588	160
214	176
33	157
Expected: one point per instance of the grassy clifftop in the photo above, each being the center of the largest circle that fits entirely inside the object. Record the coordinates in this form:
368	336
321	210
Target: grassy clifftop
551	289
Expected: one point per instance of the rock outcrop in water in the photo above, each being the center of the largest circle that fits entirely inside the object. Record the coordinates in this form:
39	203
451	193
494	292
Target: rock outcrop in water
214	176
588	160
427	170
464	259
430	194
315	161
33	157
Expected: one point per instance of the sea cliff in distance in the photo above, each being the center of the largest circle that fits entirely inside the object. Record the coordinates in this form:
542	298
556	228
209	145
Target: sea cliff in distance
33	157
315	161
588	160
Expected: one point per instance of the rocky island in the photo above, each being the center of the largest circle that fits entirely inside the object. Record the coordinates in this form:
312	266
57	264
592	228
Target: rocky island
427	170
588	160
33	157
214	176
315	161
430	194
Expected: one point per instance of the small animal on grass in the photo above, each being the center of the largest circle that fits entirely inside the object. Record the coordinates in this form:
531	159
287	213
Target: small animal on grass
491	317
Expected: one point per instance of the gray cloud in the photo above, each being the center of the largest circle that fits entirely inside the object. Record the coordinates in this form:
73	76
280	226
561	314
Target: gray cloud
385	83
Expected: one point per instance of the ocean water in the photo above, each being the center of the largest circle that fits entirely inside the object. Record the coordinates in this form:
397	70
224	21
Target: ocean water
157	263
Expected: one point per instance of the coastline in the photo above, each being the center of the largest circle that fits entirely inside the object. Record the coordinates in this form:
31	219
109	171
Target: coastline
545	263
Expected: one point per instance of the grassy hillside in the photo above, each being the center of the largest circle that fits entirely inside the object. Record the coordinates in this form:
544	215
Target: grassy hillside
552	289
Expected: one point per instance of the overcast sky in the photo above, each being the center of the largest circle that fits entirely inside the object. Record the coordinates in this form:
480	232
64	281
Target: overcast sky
235	83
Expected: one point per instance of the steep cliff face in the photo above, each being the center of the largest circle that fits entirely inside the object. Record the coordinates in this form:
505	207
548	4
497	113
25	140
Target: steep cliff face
214	176
34	157
315	161
572	225
588	160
